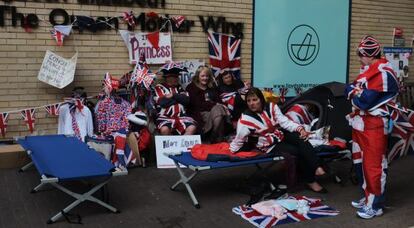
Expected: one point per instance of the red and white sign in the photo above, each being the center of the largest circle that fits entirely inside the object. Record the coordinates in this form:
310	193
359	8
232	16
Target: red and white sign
138	43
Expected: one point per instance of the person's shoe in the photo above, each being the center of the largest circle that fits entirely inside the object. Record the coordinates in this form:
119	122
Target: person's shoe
368	212
358	204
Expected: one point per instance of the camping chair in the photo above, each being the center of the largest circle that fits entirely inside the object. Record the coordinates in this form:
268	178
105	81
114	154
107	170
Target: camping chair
59	158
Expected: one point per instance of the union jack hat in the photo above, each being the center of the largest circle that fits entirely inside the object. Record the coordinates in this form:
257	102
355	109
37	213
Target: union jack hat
369	47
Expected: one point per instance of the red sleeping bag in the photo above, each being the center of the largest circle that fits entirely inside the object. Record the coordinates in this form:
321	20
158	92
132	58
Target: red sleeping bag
220	152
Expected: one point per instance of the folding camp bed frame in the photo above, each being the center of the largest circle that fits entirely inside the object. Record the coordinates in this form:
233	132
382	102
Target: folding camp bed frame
60	158
197	166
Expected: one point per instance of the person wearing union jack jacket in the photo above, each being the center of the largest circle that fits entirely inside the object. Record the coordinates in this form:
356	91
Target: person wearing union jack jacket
263	127
370	93
171	100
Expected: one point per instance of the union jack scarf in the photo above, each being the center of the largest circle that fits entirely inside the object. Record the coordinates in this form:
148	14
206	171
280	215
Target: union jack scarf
178	20
75	126
129	18
29	117
3	123
298	91
282	94
317	210
53	109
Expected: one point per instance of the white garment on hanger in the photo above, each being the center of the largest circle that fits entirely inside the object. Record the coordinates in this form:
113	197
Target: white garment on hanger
83	119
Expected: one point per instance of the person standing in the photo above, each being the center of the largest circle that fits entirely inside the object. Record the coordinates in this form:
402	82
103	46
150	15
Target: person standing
374	88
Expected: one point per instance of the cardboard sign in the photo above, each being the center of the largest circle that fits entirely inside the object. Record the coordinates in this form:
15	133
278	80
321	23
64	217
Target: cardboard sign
138	43
56	70
173	144
192	66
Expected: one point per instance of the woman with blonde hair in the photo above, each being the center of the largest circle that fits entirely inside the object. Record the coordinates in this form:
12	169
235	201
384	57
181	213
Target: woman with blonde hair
211	116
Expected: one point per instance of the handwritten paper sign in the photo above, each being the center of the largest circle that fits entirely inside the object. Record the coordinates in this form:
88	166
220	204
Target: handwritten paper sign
173	144
192	66
56	70
138	43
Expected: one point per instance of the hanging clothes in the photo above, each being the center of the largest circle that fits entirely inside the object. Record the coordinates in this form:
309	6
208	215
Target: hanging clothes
75	122
111	114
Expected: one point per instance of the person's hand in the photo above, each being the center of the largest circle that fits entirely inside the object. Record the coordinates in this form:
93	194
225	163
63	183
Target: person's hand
168	95
247	84
303	134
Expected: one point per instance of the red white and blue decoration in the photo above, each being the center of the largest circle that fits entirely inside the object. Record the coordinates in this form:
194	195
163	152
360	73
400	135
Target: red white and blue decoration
224	52
53	109
3	123
29	118
317	210
59	32
282	94
178	20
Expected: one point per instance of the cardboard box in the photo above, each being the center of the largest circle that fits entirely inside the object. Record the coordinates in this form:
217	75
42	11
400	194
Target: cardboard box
13	156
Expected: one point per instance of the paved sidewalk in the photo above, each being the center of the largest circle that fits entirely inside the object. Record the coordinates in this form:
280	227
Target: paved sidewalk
145	200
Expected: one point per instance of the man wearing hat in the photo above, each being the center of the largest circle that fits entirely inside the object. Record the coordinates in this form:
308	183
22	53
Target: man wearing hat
374	88
171	99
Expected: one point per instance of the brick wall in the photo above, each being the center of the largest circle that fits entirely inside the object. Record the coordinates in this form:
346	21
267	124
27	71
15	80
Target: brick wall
21	53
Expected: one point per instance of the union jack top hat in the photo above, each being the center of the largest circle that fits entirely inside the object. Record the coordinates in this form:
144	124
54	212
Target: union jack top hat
369	47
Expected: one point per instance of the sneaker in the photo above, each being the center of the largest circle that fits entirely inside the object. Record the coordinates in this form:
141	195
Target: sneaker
368	212
358	204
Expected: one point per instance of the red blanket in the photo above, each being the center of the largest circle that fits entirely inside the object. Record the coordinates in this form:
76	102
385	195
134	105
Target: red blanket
220	152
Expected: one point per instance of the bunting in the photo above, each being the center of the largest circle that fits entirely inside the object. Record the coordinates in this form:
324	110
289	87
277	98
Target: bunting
3	123
129	18
53	109
29	117
59	32
178	20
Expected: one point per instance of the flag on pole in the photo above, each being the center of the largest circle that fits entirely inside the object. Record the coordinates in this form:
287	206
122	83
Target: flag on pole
29	117
3	123
298	90
59	32
53	109
178	20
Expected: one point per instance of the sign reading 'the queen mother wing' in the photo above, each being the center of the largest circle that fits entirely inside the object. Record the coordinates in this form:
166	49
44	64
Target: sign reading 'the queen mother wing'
138	43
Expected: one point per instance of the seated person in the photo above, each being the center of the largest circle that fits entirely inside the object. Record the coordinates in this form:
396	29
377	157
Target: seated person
263	127
231	91
210	115
171	99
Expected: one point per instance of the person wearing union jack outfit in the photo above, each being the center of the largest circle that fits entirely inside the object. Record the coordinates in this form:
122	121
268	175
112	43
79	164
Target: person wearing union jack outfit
231	92
374	88
171	99
263	127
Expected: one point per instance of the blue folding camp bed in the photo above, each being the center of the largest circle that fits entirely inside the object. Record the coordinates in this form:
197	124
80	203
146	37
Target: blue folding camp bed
60	158
197	166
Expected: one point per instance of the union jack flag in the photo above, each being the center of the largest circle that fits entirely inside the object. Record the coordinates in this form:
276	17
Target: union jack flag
402	132
3	123
53	109
129	18
58	36
29	117
142	74
317	210
178	20
123	155
282	94
229	99
224	51
59	32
